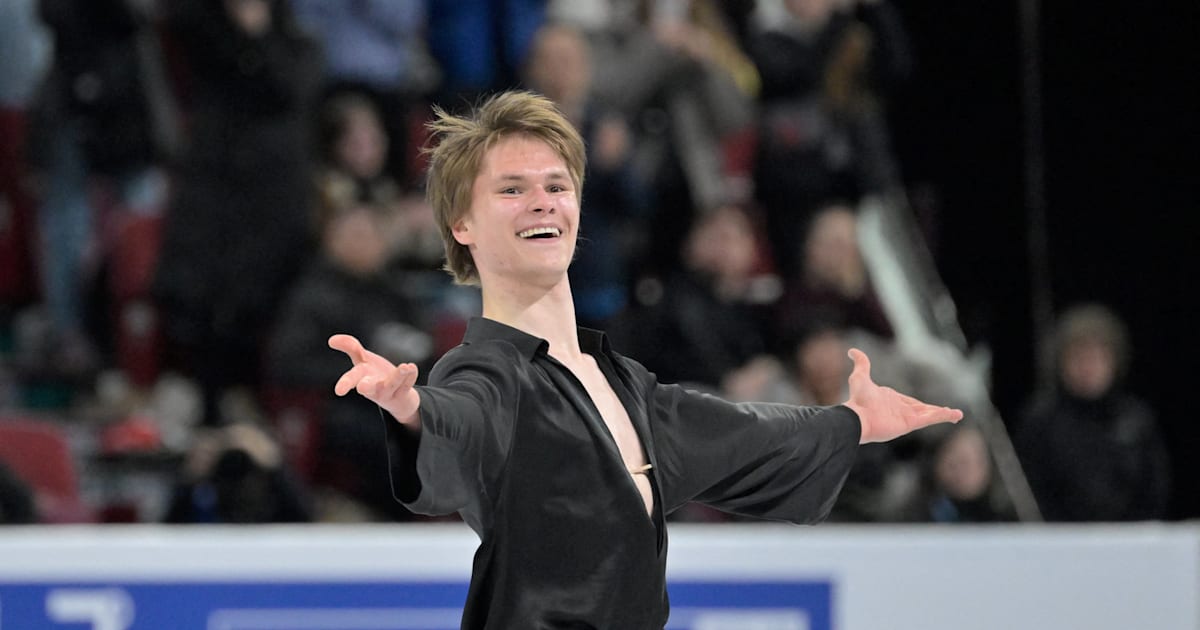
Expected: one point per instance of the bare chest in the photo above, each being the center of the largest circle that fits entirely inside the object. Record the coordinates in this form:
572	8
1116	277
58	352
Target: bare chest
616	418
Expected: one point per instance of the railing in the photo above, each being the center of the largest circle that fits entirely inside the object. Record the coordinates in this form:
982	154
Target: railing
925	319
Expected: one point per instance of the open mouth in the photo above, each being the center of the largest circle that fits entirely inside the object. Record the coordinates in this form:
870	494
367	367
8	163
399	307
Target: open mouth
540	232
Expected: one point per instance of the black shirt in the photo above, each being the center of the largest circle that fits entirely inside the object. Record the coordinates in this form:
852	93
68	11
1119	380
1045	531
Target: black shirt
511	441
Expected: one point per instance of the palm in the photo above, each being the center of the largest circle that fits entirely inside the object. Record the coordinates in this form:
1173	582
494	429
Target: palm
886	413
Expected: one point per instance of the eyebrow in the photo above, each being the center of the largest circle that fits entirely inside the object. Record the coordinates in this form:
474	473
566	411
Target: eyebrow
512	177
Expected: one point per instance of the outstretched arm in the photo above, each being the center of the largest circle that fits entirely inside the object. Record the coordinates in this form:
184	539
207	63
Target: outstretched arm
389	386
885	413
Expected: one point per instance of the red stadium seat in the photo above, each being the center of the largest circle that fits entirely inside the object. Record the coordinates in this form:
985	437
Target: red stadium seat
39	454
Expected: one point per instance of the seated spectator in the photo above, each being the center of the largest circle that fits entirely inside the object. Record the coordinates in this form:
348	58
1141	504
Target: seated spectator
958	481
353	148
347	288
675	71
833	285
1091	450
236	474
822	133
705	321
377	49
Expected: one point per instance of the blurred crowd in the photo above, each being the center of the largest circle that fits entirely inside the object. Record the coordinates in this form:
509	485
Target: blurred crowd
195	194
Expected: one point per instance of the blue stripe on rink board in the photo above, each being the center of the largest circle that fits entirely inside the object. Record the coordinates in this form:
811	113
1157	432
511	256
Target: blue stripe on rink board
366	605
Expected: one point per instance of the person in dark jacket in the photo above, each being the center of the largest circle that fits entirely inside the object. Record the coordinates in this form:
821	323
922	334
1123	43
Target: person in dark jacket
98	139
240	225
1092	450
563	455
347	288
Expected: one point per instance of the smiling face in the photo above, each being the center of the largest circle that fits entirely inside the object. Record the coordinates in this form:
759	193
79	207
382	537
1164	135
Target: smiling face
524	214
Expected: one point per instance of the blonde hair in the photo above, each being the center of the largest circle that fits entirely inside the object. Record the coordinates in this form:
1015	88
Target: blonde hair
458	145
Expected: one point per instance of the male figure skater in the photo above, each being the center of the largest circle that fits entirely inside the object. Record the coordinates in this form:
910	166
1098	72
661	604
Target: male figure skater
563	455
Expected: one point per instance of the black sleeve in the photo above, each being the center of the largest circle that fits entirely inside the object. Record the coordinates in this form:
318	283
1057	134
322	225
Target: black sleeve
771	461
466	421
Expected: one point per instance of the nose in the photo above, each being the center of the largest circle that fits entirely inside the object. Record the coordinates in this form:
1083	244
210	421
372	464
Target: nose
542	201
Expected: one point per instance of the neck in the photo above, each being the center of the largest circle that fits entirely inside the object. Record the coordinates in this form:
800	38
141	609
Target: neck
547	312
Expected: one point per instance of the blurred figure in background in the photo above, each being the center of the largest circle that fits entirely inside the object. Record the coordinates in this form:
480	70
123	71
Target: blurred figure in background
1093	451
813	373
481	45
352	149
373	243
348	287
958	481
236	475
705	322
832	284
98	135
240	224
377	49
822	135
674	69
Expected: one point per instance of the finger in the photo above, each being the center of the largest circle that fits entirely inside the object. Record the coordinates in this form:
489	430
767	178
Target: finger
936	415
862	365
860	359
353	378
401	378
952	413
357	353
409	375
350	379
349	345
368	387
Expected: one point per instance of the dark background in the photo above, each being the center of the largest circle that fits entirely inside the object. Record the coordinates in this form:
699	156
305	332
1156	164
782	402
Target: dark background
1120	113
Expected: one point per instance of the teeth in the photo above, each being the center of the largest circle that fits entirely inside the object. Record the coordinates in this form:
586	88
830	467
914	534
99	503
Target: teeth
532	232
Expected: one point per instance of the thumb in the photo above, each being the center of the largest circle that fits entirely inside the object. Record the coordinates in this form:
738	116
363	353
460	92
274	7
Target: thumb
862	365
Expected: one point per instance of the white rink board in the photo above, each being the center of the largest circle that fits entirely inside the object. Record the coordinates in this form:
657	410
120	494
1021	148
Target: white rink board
895	578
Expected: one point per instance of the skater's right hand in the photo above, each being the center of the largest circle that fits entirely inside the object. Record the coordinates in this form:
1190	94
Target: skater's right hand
389	386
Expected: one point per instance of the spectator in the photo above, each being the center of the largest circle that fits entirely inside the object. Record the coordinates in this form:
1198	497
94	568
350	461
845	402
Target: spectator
832	285
96	144
352	149
378	49
481	45
958	481
236	475
706	322
821	130
560	68
240	224
675	70
1092	451
347	288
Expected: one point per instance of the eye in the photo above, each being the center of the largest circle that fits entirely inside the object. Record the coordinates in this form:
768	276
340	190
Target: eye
557	188
510	190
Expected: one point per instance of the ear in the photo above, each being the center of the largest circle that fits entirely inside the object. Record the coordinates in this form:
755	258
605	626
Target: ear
462	232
